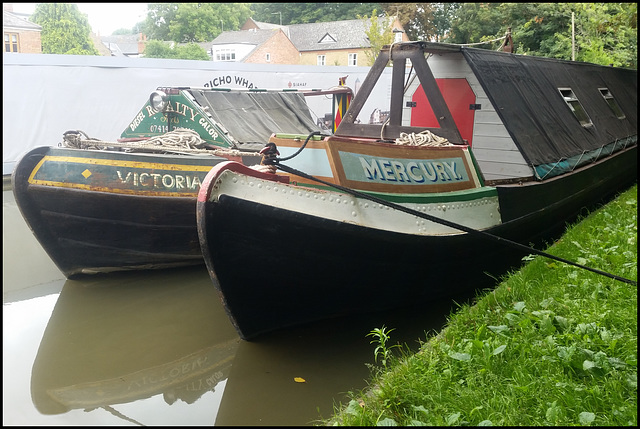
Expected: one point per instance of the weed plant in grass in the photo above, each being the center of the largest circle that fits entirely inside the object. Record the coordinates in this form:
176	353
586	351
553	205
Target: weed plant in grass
553	344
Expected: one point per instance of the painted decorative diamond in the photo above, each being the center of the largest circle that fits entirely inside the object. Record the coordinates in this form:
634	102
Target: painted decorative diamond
86	173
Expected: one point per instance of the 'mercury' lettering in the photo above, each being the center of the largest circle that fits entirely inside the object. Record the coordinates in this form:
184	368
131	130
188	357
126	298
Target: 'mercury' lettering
410	171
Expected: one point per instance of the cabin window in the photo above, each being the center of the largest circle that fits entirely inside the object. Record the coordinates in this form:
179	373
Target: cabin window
268	58
353	60
613	104
575	106
11	42
321	60
225	55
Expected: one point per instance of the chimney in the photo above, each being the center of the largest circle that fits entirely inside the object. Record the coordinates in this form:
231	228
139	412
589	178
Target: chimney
142	39
7	6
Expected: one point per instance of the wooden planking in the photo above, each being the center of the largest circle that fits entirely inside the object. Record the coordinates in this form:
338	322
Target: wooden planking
497	155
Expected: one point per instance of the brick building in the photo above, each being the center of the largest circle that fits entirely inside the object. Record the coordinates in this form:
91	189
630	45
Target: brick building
339	43
20	35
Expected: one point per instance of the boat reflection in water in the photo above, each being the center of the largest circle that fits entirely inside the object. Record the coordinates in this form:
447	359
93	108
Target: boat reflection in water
120	338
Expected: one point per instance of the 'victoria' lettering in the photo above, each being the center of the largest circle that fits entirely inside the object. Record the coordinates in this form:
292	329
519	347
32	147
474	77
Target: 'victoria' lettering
160	181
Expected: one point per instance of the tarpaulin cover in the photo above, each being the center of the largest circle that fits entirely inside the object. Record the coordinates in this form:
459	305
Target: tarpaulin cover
250	116
525	93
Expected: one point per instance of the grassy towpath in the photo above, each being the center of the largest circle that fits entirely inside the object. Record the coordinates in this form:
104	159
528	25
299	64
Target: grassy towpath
553	344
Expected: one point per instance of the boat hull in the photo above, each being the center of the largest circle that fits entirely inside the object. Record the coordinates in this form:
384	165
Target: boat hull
276	267
102	211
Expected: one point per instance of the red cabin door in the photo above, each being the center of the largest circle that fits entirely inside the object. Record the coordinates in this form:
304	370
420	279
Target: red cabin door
459	98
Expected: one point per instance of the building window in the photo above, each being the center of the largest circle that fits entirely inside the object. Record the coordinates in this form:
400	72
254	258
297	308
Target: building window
397	36
321	60
613	104
225	55
575	106
353	60
268	58
11	42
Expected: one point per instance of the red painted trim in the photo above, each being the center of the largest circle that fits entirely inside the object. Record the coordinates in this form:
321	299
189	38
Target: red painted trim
236	167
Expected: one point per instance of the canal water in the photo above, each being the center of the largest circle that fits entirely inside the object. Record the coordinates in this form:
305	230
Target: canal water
156	348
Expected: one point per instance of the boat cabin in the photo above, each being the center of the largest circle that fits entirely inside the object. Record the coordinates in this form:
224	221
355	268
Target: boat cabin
242	119
526	118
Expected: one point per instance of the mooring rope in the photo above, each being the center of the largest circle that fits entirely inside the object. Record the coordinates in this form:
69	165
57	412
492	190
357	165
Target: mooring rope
275	161
180	140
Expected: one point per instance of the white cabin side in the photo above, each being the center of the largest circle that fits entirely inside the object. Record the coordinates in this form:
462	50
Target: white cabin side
494	149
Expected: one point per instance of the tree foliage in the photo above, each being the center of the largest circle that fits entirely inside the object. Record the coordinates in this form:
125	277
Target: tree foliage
189	51
65	30
304	13
605	33
193	22
379	34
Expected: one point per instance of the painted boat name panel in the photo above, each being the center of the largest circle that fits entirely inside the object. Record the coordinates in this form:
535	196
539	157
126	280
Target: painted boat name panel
408	171
182	112
385	168
119	176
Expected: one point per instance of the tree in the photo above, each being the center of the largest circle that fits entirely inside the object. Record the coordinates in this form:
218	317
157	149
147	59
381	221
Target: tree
193	22
443	14
190	51
65	30
605	33
379	33
304	13
122	32
136	29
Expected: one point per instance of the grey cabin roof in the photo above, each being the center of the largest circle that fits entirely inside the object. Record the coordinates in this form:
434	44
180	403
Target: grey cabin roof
11	20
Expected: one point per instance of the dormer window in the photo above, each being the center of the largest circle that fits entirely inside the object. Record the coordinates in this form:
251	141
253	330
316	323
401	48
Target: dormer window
613	104
327	38
397	35
575	106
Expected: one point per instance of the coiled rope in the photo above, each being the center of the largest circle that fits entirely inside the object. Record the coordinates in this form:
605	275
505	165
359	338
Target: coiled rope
423	138
180	140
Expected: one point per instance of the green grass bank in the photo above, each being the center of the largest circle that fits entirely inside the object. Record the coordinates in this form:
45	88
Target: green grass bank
552	345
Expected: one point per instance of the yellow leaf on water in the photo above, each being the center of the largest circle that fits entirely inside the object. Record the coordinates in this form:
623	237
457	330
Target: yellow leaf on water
299	380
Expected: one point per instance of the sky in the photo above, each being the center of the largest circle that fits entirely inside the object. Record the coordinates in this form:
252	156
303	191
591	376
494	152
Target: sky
104	18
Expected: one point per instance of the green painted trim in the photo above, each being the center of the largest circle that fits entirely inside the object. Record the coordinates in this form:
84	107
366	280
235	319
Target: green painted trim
476	166
443	197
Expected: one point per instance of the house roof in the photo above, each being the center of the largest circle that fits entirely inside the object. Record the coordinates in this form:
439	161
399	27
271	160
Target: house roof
348	34
126	44
11	20
247	37
267	25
